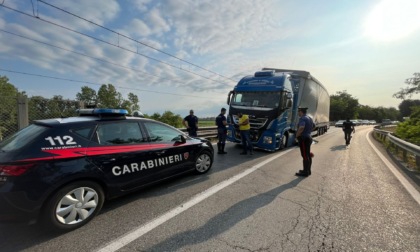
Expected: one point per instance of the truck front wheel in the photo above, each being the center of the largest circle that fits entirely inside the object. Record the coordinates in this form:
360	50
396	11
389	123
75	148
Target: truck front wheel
284	141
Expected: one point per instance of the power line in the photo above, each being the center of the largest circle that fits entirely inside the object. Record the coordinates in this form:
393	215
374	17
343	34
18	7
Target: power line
93	83
111	44
142	43
88	56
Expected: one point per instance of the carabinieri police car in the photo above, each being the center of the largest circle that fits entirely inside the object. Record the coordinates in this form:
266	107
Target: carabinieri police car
61	171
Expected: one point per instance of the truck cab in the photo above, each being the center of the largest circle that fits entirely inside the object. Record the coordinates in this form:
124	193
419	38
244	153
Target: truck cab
270	98
267	99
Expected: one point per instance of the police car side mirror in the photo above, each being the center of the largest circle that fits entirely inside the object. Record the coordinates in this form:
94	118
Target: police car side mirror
182	139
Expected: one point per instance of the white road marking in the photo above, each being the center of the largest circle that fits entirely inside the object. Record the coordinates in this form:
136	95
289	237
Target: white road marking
139	232
411	190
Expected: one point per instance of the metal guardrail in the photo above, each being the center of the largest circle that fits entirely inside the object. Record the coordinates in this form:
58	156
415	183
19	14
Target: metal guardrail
205	132
400	145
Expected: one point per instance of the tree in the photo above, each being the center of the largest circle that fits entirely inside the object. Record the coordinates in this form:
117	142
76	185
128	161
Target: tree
134	100
132	104
8	108
171	119
409	130
413	87
43	108
38	108
343	106
406	107
167	117
366	112
109	97
87	96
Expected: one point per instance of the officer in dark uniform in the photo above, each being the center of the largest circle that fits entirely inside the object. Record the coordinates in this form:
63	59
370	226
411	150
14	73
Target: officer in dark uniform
221	131
191	123
303	135
348	127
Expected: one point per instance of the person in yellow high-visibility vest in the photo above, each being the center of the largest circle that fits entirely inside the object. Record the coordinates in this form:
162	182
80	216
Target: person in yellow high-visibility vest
244	128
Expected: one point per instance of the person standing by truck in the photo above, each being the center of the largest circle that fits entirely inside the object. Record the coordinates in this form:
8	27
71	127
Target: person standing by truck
244	128
191	123
348	127
221	131
305	140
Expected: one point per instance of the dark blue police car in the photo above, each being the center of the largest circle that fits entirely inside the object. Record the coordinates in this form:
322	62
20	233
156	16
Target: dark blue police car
61	171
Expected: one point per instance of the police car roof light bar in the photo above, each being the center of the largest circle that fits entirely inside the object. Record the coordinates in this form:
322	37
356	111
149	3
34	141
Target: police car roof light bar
102	111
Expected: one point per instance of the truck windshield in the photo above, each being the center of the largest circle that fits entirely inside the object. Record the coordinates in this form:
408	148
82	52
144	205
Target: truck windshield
257	99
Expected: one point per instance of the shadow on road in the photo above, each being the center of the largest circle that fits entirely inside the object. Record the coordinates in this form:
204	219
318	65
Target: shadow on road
338	147
224	220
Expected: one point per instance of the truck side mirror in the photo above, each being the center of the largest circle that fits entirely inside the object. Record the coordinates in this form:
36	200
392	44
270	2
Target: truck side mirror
289	101
229	97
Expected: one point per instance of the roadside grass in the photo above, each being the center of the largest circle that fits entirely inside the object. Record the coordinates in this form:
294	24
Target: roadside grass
206	123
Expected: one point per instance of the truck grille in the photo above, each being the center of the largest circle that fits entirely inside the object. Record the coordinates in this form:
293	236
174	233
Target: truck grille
257	123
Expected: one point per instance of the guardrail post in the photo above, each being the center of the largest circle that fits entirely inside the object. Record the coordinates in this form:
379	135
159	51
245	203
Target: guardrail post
23	120
404	153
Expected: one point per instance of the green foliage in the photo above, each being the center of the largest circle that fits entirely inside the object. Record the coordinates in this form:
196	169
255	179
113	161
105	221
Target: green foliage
167	117
406	106
88	96
41	108
343	106
206	123
108	97
409	130
8	108
413	87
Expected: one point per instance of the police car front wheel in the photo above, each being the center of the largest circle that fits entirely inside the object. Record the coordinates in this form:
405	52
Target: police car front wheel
73	205
203	162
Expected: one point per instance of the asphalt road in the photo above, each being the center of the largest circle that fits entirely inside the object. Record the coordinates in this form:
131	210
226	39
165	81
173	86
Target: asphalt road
351	202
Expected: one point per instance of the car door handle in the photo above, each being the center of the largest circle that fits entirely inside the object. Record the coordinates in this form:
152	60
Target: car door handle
109	160
160	152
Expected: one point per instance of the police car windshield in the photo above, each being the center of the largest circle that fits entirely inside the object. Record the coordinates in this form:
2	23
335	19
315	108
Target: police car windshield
257	99
22	137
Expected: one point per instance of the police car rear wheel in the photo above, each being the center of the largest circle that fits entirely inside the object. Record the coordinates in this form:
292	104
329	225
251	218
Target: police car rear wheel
74	205
203	162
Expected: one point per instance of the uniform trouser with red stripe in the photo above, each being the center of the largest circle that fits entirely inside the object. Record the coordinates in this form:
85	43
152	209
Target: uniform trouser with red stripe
305	151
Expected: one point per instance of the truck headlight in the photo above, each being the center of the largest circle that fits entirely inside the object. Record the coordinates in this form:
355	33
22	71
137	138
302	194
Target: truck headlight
268	140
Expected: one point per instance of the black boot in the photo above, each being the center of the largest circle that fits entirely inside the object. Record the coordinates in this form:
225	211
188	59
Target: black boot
219	148
304	172
222	149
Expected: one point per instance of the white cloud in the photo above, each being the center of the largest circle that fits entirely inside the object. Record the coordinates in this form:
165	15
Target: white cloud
157	22
234	38
139	28
141	5
98	11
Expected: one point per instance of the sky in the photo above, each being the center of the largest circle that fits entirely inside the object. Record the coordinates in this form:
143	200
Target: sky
178	55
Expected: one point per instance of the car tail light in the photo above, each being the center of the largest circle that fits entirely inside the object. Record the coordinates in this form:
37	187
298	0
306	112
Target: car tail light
14	170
